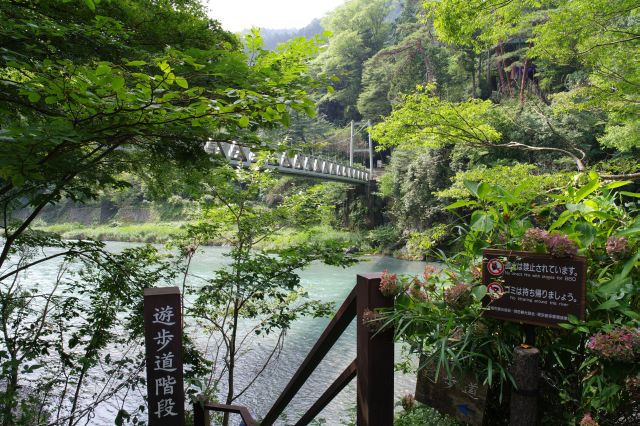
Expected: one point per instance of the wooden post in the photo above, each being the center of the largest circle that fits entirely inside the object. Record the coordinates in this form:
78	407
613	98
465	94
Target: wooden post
524	399
163	343
200	413
375	358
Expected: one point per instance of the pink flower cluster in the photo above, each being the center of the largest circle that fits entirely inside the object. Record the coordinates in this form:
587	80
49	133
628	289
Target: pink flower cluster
416	290
558	245
458	297
534	237
618	248
389	284
587	420
620	344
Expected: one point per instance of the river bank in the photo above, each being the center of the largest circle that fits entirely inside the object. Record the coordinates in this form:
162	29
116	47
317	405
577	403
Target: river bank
162	232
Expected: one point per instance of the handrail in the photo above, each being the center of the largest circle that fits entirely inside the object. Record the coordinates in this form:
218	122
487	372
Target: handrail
332	391
334	330
373	366
201	415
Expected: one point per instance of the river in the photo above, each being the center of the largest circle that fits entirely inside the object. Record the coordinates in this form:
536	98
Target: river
325	283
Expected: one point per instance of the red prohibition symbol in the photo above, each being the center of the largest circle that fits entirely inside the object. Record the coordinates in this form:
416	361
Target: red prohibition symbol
495	288
495	267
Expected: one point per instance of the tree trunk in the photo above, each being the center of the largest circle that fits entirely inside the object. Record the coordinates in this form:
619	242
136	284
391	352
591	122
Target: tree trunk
232	361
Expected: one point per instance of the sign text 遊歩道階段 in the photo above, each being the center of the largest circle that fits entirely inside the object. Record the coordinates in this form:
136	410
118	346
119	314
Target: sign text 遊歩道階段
163	343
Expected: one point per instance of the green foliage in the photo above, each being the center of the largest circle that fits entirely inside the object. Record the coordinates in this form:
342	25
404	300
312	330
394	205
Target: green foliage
425	120
577	378
524	178
259	293
358	30
423	415
422	244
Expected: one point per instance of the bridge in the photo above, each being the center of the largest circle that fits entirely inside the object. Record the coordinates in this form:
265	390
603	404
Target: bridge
300	164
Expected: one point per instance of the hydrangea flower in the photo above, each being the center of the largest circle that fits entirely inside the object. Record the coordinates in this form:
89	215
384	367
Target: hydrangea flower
416	291
458	297
389	284
559	245
533	238
587	420
618	248
408	402
620	344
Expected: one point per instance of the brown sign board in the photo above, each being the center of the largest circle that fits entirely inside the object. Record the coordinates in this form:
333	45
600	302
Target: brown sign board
163	343
462	397
533	288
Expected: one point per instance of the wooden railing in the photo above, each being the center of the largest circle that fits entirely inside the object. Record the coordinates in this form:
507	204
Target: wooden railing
373	366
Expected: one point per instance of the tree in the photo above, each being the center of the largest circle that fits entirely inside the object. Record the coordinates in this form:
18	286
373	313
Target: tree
259	293
597	40
359	29
89	90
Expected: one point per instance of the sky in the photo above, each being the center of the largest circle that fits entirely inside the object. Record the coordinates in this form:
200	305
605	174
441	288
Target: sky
236	15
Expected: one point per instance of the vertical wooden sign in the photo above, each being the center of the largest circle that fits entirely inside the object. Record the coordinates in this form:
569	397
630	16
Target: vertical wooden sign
163	342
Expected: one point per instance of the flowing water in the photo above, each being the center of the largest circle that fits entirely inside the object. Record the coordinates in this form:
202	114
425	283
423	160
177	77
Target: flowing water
325	283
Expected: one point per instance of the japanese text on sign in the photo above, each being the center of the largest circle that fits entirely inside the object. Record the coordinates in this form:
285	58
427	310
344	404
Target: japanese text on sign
163	338
533	288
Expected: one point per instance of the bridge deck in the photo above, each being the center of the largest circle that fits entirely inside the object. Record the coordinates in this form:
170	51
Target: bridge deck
299	164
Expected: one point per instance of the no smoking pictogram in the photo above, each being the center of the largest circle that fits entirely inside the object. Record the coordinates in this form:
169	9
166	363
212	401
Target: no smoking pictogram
495	267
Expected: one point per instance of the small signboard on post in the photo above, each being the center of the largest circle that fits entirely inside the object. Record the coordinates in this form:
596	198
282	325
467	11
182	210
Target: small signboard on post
163	343
533	288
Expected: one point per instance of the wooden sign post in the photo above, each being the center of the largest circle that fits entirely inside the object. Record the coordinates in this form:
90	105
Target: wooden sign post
163	342
534	290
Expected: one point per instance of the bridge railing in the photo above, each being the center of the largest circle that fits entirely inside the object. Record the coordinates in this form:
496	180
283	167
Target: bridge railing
373	366
302	164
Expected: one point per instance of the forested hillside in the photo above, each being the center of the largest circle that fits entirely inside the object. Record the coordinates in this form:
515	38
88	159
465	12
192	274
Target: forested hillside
493	91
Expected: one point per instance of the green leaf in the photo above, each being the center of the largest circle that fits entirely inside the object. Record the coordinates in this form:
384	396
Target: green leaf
135	63
626	232
281	108
91	5
482	221
483	190
564	216
103	69
33	97
614	185
182	82
472	187
479	291
587	233
461	203
244	121
630	194
587	189
51	100
611	303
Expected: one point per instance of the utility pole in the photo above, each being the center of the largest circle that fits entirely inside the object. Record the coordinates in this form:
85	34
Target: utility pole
370	150
351	146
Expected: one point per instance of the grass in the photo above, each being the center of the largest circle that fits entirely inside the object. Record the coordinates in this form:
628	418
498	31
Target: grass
136	232
161	232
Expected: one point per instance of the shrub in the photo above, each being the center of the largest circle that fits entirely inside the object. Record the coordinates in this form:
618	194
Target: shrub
590	367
